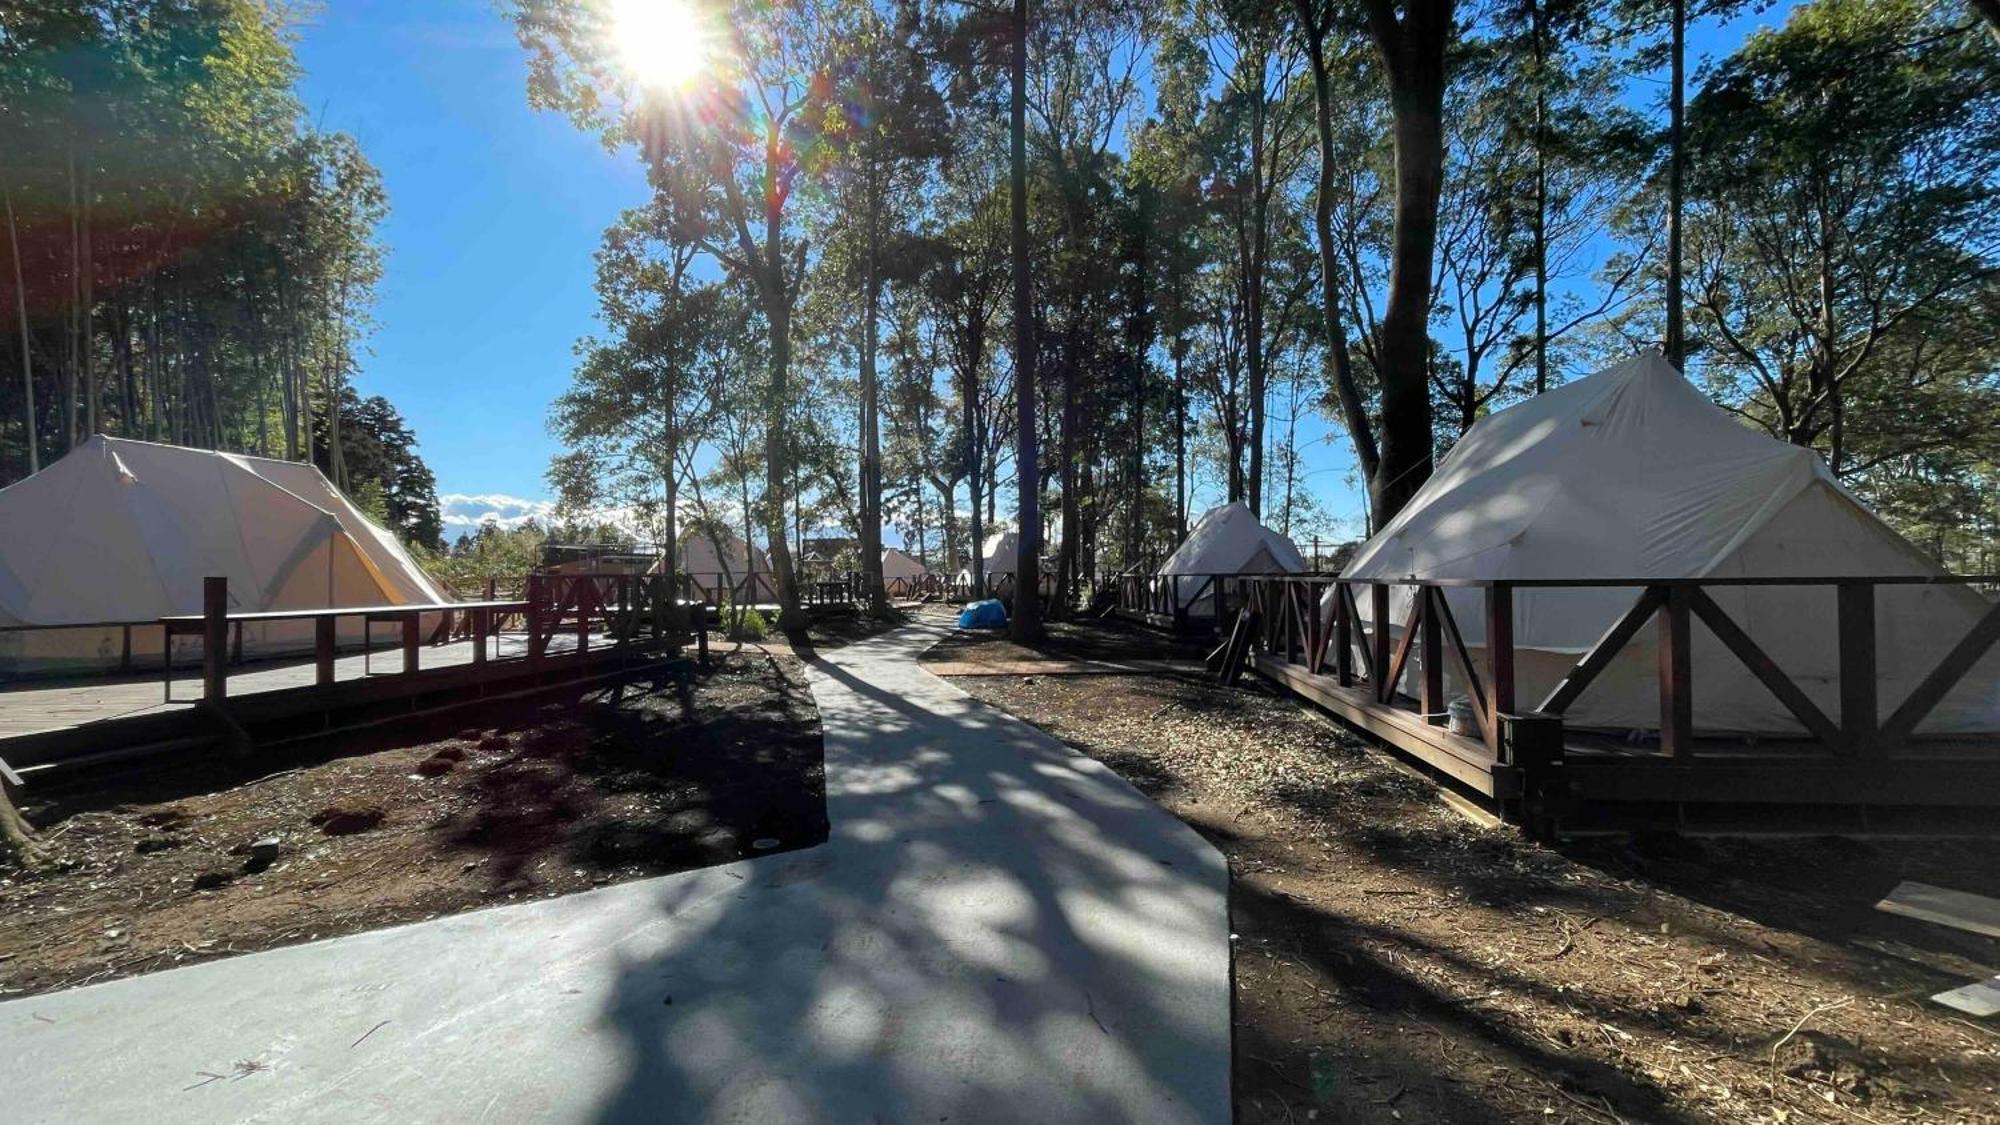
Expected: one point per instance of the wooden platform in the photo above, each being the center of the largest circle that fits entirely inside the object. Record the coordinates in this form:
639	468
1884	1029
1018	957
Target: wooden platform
1932	787
44	722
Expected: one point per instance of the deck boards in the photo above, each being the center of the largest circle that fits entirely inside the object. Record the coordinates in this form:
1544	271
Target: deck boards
38	706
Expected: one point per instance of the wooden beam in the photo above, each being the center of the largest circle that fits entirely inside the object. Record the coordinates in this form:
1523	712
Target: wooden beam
1499	660
1378	641
411	643
1603	652
1343	634
1676	676
1859	697
215	638
1455	645
1765	669
1386	690
1430	688
323	645
1928	694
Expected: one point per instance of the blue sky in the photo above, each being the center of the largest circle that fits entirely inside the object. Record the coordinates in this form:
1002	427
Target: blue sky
495	210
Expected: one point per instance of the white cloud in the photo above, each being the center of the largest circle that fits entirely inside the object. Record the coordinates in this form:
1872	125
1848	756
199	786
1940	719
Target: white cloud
469	511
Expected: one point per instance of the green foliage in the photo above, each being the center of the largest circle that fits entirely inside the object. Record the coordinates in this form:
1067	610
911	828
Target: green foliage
198	259
745	624
380	456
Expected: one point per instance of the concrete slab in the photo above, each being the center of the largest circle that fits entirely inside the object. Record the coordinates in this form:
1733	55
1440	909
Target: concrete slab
998	929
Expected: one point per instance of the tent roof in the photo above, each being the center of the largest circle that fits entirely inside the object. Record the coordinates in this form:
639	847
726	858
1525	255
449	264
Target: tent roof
897	563
1229	540
126	530
1628	473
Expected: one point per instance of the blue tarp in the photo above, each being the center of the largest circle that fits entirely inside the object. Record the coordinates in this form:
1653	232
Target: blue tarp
989	614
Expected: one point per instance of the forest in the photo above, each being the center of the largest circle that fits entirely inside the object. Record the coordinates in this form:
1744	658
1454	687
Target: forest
914	270
922	270
187	260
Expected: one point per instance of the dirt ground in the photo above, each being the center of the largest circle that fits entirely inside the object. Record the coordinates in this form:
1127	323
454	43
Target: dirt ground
561	793
1398	962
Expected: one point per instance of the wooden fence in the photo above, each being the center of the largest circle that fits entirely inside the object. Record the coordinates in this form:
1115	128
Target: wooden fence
1390	679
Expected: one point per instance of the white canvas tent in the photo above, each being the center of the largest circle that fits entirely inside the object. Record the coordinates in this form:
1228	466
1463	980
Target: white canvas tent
1228	540
715	573
999	553
1002	552
125	531
898	564
1632	473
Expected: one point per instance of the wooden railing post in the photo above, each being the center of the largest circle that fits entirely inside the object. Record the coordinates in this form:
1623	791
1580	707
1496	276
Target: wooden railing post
1859	719
535	595
411	630
1499	660
1676	675
323	642
1343	636
1378	605
1430	693
215	638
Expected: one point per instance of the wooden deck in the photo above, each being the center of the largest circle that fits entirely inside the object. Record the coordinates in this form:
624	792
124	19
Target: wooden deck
53	722
36	706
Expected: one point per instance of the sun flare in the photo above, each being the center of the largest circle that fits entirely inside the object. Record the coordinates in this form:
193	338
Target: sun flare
663	43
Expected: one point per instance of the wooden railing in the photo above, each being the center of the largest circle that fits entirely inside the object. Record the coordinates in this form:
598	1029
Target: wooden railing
621	609
1368	652
1181	600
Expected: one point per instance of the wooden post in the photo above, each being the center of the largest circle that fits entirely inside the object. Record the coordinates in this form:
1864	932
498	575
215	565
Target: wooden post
482	619
236	644
1676	676
535	589
1499	660
1533	744
214	638
585	590
1859	719
323	634
1343	636
125	651
1378	605
1430	694
411	629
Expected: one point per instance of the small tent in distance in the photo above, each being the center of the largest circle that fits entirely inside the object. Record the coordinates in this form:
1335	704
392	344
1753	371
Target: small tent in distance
901	573
1001	554
1632	473
124	532
1226	540
731	573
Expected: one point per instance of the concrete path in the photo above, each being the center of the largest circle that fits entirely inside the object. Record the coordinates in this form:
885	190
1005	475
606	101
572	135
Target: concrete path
998	929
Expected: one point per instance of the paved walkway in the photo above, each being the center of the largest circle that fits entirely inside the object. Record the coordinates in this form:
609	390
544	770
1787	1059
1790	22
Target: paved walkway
998	929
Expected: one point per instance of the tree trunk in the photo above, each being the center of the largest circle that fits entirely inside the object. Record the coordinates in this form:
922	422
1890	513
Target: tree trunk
17	836
1413	50
1254	307
1026	621
1180	443
1540	248
1676	163
1353	408
86	307
27	361
871	437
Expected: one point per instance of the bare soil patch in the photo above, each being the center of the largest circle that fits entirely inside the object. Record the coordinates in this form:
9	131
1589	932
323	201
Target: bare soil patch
1110	640
197	859
1396	962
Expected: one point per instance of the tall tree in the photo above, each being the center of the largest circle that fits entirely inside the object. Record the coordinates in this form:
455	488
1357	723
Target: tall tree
1412	49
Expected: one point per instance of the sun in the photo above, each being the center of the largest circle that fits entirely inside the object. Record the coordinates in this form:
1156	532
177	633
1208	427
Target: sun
662	43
